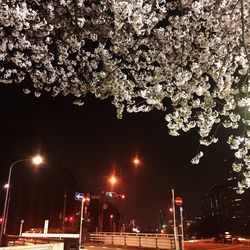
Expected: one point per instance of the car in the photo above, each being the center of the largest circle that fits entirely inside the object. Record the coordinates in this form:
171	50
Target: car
225	237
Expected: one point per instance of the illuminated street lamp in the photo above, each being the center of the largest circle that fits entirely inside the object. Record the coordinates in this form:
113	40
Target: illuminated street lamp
112	225
113	180
136	161
36	160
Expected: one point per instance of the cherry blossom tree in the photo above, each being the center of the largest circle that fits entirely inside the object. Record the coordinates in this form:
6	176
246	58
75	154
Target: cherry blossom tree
188	58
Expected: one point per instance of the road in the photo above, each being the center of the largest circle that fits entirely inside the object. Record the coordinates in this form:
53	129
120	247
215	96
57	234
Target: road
107	247
188	246
214	246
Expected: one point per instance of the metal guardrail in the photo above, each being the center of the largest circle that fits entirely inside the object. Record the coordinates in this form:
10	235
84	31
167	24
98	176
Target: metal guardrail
162	241
51	235
15	240
52	246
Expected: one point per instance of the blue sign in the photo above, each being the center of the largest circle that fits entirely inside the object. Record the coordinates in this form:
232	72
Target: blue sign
79	196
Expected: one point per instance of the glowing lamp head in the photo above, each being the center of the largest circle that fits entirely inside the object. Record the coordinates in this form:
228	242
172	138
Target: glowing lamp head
37	160
136	161
112	180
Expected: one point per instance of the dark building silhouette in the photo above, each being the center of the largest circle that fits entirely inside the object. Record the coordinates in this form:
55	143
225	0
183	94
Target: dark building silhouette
103	208
226	210
216	202
163	220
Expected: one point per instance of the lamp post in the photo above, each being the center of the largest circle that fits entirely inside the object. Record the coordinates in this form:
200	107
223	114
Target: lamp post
37	160
112	223
112	180
136	161
174	217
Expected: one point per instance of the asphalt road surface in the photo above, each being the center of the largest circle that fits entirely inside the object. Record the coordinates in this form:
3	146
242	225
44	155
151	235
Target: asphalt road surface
214	246
188	246
106	247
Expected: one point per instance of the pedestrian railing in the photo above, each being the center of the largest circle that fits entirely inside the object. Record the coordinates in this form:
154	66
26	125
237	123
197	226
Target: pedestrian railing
161	241
52	246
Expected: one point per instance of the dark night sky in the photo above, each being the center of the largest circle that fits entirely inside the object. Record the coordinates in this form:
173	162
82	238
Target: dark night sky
91	142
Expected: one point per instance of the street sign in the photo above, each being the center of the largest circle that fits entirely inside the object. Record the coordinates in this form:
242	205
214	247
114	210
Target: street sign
110	194
87	199
178	201
95	197
79	196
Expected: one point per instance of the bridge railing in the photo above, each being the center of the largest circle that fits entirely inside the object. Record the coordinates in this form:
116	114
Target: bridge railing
162	241
52	246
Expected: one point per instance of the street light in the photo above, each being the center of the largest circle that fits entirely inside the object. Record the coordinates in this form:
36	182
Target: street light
113	180
136	161
112	222
36	160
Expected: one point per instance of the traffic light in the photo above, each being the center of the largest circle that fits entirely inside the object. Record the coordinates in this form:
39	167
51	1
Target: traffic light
121	196
71	219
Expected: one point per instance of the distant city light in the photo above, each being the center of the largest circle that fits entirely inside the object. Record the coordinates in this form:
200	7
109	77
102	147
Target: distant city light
241	239
136	230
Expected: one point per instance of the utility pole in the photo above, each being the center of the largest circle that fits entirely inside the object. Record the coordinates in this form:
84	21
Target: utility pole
175	228
182	229
21	228
101	203
81	220
64	209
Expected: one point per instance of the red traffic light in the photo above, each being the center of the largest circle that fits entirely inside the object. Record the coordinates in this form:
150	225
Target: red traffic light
71	219
121	196
87	199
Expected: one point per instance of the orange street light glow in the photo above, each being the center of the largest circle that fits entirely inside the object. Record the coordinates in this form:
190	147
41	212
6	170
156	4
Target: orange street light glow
112	180
136	161
37	160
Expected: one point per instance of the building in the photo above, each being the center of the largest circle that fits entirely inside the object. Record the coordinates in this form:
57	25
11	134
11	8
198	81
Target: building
216	202
226	210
